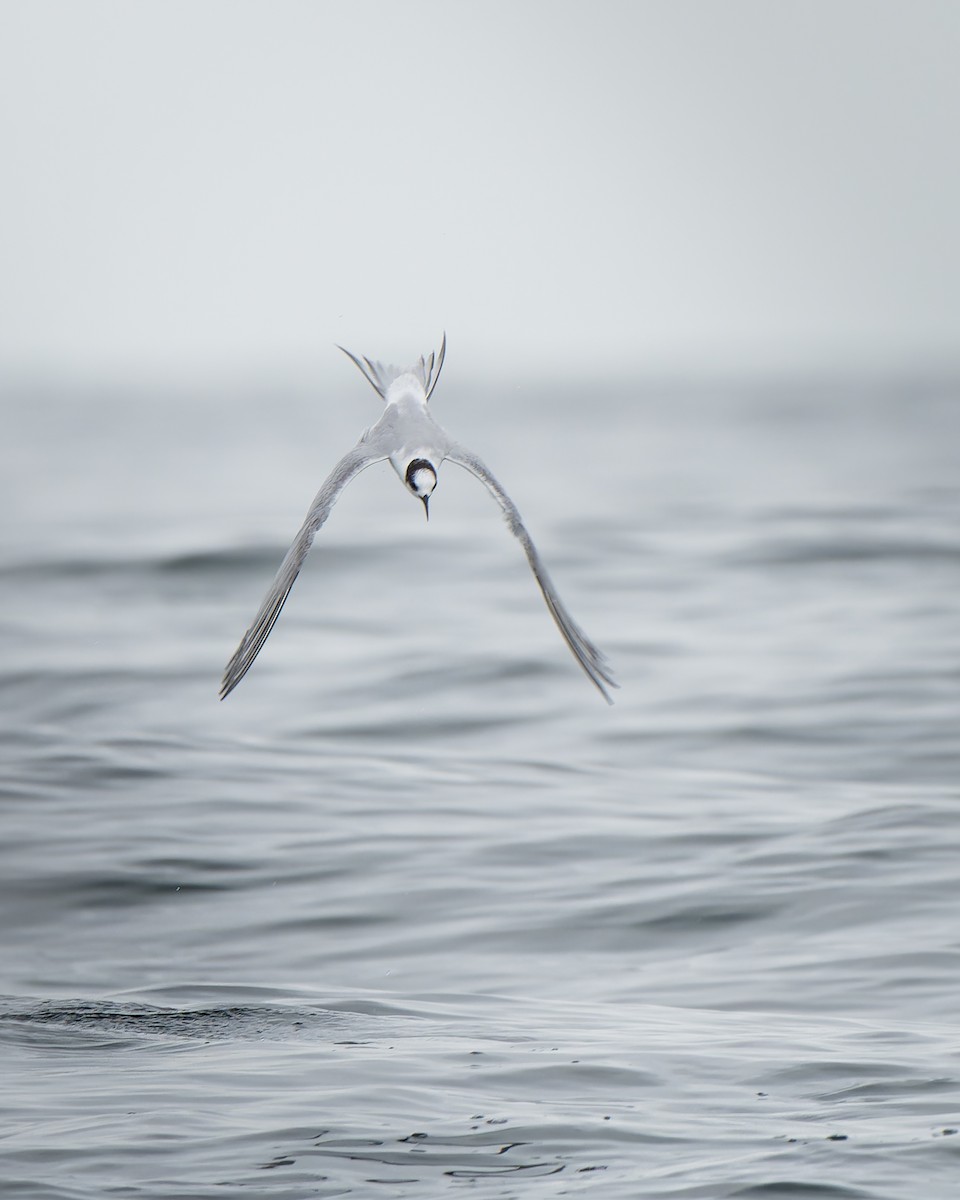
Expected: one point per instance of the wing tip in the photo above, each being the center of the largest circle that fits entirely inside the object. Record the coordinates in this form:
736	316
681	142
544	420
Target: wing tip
609	682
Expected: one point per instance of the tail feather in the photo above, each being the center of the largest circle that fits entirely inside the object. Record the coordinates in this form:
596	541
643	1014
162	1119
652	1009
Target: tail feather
380	376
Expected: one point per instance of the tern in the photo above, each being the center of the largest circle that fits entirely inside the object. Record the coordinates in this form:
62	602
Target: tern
415	445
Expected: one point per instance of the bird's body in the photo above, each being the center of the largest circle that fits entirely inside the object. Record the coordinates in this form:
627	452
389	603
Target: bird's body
407	425
415	445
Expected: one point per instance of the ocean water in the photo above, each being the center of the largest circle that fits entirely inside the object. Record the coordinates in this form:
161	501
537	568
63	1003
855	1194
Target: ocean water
414	913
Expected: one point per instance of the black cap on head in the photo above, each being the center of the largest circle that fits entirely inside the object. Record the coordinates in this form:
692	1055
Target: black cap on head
419	464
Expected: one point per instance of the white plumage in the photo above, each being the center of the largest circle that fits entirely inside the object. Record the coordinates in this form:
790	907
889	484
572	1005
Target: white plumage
415	445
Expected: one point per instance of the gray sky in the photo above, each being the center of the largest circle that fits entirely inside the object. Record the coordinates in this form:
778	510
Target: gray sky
226	185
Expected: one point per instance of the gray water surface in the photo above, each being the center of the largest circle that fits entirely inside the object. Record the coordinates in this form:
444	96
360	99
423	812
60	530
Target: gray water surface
413	911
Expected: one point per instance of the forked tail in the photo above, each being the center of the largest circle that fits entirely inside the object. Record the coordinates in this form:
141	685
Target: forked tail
379	376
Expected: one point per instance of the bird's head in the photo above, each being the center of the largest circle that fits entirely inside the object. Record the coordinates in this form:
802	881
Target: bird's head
421	479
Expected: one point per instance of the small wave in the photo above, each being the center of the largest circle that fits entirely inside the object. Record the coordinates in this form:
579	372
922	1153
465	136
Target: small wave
804	552
230	1022
240	560
795	1189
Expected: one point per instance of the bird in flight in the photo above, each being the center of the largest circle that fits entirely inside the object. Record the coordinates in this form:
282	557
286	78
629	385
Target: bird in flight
410	438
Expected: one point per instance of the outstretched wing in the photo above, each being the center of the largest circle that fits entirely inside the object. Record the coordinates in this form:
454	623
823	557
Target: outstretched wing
351	464
586	653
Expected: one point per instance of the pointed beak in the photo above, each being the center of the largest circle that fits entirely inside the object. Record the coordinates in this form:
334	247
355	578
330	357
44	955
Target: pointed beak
426	505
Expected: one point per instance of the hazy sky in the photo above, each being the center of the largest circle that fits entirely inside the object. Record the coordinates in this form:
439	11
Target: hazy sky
226	185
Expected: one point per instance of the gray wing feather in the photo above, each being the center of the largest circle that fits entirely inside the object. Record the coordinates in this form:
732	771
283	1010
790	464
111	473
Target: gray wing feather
350	465
592	660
